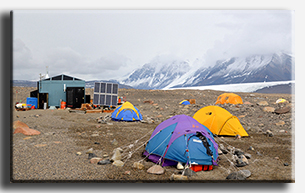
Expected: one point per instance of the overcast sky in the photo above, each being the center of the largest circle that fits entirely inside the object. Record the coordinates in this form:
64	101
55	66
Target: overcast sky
106	44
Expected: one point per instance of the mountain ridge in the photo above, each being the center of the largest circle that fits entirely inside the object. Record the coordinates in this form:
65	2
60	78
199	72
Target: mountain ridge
179	73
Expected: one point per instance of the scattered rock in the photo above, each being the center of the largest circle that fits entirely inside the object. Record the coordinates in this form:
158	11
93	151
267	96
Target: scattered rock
114	142
230	148
127	172
234	109
286	164
236	176
116	155
261	125
156	169
89	150
138	165
248	156
282	131
97	143
241	163
27	138
248	103
149	101
91	155
104	162
282	110
268	109
251	148
280	123
178	177
263	103
95	135
180	166
95	160
40	145
105	155
245	173
118	163
188	172
269	133
244	159
219	152
78	153
237	136
238	152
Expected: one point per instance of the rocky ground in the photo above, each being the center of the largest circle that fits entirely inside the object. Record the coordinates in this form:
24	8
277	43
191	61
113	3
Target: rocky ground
59	152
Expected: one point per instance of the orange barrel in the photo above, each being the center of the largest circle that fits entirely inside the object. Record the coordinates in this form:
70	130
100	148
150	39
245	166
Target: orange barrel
63	105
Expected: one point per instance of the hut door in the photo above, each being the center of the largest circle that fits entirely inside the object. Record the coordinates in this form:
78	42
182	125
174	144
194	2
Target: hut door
75	96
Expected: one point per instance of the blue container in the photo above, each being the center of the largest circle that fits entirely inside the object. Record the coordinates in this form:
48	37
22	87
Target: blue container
32	101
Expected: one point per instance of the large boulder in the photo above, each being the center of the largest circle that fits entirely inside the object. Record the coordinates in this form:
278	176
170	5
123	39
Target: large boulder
23	128
26	131
282	110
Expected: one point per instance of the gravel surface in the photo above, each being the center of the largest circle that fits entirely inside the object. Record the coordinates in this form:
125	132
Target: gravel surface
52	155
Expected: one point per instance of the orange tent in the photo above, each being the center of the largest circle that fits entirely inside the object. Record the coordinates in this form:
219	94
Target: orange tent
229	98
219	121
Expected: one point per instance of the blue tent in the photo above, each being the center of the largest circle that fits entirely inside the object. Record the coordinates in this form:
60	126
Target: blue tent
182	139
185	102
126	112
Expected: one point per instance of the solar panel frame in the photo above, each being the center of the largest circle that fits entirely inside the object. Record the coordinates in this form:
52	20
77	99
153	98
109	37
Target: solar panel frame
105	94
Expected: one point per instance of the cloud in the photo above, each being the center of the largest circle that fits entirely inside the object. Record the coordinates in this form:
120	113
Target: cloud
65	60
250	33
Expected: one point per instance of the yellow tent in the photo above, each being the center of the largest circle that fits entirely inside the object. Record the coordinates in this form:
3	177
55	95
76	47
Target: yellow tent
229	98
219	121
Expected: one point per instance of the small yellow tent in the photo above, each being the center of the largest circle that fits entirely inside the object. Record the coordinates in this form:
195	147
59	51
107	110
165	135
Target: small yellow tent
229	98
219	121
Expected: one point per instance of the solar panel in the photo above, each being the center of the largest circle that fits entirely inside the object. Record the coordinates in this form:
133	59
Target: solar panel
115	89
95	99
114	100
109	88
97	87
102	99
105	94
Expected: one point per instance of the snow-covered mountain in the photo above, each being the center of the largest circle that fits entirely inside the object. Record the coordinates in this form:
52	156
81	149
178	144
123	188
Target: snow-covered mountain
165	73
159	73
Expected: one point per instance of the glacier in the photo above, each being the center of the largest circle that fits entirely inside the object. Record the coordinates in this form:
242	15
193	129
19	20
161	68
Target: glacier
241	87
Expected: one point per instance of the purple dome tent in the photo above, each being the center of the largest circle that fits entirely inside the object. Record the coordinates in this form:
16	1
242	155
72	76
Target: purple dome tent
182	139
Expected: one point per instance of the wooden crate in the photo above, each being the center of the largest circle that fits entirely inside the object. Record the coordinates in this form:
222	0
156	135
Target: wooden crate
192	101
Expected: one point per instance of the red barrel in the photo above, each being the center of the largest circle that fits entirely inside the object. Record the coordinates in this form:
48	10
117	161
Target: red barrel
63	105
